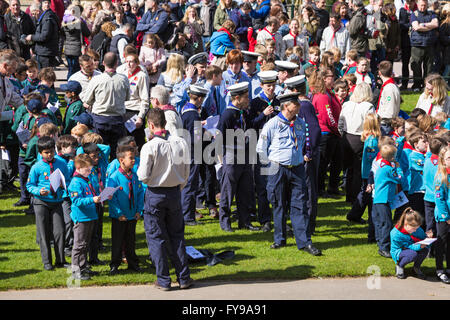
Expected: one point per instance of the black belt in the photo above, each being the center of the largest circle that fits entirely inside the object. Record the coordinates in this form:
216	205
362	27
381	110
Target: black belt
287	166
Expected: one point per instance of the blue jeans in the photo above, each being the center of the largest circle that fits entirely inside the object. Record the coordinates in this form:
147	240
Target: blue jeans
73	65
408	256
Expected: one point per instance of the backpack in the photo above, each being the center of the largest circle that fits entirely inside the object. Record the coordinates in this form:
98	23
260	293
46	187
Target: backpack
101	47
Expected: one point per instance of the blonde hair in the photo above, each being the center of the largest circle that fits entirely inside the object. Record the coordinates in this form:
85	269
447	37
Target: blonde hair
79	130
426	123
108	28
336	54
175	67
441	117
91	137
387	151
48	129
439	93
441	174
186	15
371	127
362	93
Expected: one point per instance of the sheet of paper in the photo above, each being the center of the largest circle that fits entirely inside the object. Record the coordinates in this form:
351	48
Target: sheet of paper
23	134
211	124
427	241
194	253
107	192
218	167
7	115
57	180
131	123
399	200
147	133
5	155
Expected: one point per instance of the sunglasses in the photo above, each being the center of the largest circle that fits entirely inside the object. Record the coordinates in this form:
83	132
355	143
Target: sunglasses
125	4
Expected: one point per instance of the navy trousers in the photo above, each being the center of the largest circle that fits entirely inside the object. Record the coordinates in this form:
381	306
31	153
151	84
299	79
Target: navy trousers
363	200
264	213
416	202
289	181
382	220
408	256
236	181
442	245
111	129
429	216
24	170
164	227
189	192
312	172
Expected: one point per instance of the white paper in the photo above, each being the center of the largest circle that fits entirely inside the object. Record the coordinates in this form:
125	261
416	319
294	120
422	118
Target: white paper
399	200
23	134
211	124
107	192
7	115
53	108
218	166
5	155
427	241
147	133
194	253
57	180
130	124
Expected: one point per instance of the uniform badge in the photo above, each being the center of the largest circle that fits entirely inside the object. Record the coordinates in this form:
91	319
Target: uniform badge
46	177
388	98
74	194
438	195
157	18
419	163
298	127
121	188
443	215
45	173
434	161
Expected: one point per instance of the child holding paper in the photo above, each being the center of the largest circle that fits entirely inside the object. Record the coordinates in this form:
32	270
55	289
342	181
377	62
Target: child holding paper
74	105
442	214
404	246
84	214
125	209
386	179
43	128
47	203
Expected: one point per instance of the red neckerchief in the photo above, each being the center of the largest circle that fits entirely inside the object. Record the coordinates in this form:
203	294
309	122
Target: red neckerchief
99	177
225	30
168	107
129	176
386	162
354	64
448	170
272	34
363	74
434	159
352	88
313	63
408	9
134	73
334	34
294	36
390	80
88	181
432	105
162	134
378	157
406	145
402	230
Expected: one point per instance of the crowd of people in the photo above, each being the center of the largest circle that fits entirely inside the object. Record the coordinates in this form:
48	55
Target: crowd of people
154	89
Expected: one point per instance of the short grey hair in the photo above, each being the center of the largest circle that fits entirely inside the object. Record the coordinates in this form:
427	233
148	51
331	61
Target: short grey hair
161	93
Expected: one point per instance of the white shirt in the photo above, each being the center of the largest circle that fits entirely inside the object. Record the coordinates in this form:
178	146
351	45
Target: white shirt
424	103
264	35
340	40
164	163
139	93
352	117
173	122
288	42
83	79
389	105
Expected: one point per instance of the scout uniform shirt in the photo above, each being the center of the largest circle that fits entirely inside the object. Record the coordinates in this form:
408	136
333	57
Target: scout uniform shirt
386	179
388	105
228	79
82	195
442	200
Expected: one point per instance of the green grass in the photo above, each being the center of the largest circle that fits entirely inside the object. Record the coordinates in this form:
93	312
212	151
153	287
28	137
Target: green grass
346	252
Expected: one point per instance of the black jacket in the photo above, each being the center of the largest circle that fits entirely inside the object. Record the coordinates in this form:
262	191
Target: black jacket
16	29
46	37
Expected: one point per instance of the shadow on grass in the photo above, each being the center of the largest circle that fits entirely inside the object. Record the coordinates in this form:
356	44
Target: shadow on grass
17	274
12	221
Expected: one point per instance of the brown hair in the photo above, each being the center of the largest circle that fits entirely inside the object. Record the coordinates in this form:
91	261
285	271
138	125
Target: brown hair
387	151
235	56
91	137
48	129
352	54
79	130
31	63
47	74
397	122
212	70
426	122
83	161
409	217
385	68
383	140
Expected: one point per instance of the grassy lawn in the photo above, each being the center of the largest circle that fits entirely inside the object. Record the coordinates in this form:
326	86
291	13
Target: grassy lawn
344	246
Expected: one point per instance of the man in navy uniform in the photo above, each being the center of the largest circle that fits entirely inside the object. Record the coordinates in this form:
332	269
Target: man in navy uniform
281	143
308	114
236	179
190	116
286	70
154	21
249	68
262	108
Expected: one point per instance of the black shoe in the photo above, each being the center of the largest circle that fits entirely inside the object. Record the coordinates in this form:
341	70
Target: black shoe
101	248
384	253
267	227
62	265
359	221
371	241
334	192
21	203
277	245
48	267
29	211
134	268
250	227
96	262
90	272
160	287
113	271
419	273
191	223
187	284
10	187
312	250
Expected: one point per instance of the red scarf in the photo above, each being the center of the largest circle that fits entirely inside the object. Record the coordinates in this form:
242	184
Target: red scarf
88	181
134	73
226	31
434	159
168	107
406	145
448	170
272	34
294	36
386	162
431	107
390	80
354	64
129	176
334	34
408	9
402	230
